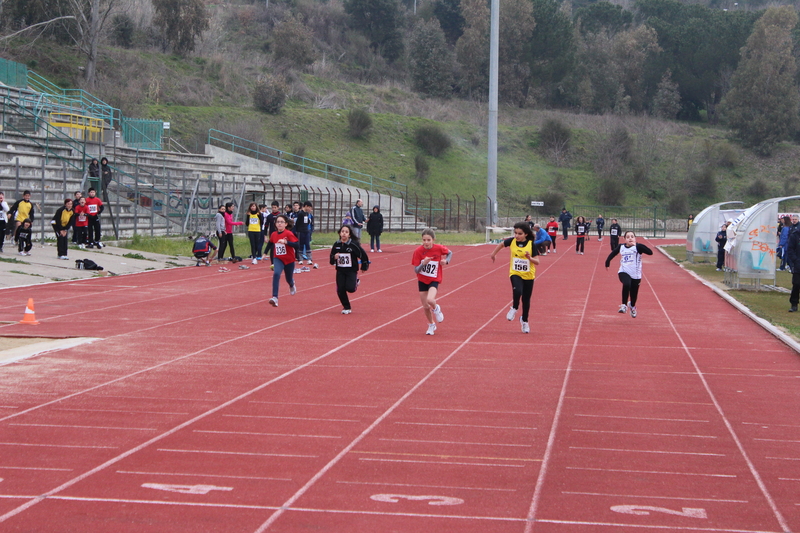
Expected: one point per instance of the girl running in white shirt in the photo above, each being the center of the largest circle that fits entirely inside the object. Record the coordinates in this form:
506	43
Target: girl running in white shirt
630	269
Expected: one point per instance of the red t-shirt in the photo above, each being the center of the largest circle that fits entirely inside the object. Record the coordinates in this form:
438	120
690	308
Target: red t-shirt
433	270
552	228
81	218
283	252
93	205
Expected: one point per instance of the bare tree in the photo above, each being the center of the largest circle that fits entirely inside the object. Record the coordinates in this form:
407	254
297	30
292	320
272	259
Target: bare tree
90	17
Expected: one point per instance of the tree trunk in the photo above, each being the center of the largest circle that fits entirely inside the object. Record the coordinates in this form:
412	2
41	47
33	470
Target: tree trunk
92	36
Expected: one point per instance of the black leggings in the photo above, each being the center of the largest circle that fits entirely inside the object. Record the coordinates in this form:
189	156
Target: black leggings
523	288
629	286
225	240
346	281
579	244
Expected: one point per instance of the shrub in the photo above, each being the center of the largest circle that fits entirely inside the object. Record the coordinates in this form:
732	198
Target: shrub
611	191
555	135
758	189
270	94
432	140
677	204
553	201
422	168
122	30
359	122
704	183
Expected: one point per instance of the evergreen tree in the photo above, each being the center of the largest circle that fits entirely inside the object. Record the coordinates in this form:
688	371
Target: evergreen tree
472	49
431	60
667	101
381	22
181	23
449	14
762	105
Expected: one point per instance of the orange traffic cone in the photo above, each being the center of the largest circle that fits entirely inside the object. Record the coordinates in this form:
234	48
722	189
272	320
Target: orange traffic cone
30	316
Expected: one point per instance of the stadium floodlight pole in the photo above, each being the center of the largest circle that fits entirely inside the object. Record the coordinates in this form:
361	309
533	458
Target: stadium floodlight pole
494	55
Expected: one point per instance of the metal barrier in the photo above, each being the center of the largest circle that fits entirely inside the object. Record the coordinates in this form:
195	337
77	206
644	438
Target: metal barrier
13	74
142	133
645	221
302	164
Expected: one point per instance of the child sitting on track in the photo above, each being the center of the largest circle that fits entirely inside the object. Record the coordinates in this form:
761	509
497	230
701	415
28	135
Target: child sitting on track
428	260
345	254
203	250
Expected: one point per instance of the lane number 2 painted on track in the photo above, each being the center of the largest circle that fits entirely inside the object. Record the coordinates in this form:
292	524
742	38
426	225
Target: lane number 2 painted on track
647	509
432	500
185	489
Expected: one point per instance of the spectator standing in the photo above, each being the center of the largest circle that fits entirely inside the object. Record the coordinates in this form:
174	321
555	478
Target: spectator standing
23	210
254	222
4	211
794	261
783	241
75	203
302	228
105	175
689	222
95	207
61	222
375	228
81	222
600	223
614	231
269	226
564	218
229	224
94	169
721	239
552	231
219	227
358	218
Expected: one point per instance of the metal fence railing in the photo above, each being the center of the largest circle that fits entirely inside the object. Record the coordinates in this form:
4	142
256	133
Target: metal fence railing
302	164
645	221
13	74
142	133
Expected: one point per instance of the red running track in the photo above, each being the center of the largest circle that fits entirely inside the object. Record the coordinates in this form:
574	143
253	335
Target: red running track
201	408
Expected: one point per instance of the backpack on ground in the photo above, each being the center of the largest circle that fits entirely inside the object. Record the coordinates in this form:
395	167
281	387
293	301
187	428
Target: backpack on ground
87	264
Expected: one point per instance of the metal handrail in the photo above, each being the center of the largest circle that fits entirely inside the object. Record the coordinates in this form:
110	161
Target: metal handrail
312	167
74	98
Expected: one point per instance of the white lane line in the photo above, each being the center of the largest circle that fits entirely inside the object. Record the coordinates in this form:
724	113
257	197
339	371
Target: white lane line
462	425
377	460
80	427
201	475
58	445
460	442
222	452
267	434
784	458
551	438
292	418
781	478
147	398
9	407
778	440
645	451
631	400
649	472
766	425
474	410
2	467
688	498
745	456
389	484
317	404
619	527
53	492
271	520
211	349
643	418
646	434
127	412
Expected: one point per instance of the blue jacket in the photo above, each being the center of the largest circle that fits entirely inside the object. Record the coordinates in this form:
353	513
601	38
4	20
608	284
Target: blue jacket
541	237
564	218
784	240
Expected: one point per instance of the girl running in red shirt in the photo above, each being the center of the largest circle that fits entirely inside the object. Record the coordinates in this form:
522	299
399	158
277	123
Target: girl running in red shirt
428	260
284	244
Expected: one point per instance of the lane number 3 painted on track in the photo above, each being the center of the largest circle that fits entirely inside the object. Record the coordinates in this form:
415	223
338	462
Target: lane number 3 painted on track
185	489
432	500
646	509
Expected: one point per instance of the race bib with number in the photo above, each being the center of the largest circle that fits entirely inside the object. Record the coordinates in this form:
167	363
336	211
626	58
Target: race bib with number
628	258
92	209
280	249
345	260
614	232
521	264
81	218
254	220
430	270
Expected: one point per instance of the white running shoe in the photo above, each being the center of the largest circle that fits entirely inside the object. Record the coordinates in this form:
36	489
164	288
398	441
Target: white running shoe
437	312
380	251
346	311
82	246
316	265
273	302
525	327
512	313
371	250
623	308
633	312
554	251
255	261
431	329
293	289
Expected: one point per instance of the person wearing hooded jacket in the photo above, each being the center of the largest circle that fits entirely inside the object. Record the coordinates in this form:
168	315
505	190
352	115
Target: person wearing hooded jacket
375	228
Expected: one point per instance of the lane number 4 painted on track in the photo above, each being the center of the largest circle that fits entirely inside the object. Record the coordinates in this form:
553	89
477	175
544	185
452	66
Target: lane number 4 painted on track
432	500
647	509
185	489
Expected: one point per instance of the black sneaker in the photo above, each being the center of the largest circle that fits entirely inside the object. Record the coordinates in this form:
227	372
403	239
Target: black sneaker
793	309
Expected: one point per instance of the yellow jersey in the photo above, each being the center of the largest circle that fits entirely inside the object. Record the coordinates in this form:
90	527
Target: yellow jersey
520	265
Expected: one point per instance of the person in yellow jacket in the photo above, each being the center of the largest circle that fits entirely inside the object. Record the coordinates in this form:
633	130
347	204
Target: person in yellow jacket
522	270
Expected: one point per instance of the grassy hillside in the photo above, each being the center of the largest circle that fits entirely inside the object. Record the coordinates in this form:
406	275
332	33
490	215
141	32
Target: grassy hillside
677	165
